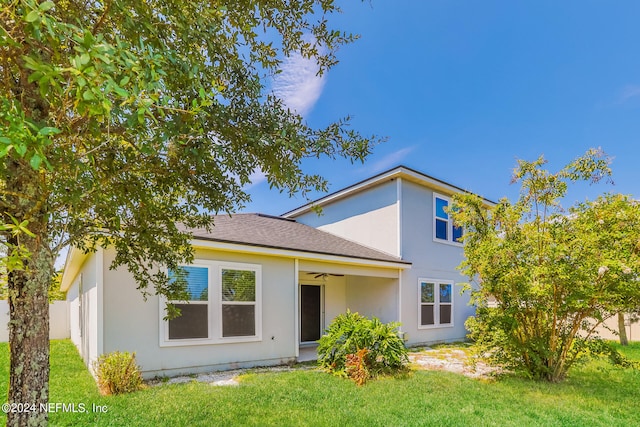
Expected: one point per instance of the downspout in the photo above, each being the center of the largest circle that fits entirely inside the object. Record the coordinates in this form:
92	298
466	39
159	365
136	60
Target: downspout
399	243
296	306
399	216
400	297
100	302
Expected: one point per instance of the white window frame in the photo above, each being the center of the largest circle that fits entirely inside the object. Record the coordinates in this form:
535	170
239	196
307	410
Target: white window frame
258	306
449	240
436	303
214	311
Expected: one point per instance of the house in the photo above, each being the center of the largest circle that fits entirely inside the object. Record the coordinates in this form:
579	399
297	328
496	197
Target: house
263	288
403	212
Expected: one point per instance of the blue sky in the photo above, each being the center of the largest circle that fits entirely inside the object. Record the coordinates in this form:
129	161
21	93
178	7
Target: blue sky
464	88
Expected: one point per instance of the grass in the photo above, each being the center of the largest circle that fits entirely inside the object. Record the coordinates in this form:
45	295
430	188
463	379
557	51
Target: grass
596	394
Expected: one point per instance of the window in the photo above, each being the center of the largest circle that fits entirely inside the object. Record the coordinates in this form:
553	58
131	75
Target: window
436	303
238	302
194	321
444	229
224	304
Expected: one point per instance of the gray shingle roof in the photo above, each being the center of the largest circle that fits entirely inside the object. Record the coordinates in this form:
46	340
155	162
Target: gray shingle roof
280	233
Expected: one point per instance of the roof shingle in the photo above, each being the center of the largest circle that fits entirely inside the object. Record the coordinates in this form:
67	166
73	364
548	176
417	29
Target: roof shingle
281	233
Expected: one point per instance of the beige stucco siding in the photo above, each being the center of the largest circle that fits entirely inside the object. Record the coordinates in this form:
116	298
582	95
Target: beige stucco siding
369	218
335	299
432	260
396	216
131	324
82	297
373	296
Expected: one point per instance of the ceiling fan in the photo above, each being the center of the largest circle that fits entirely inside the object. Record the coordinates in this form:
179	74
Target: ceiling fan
317	275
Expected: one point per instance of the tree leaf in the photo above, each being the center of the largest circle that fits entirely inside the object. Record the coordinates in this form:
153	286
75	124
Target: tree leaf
47	5
48	130
5	150
32	16
84	59
21	149
35	161
87	95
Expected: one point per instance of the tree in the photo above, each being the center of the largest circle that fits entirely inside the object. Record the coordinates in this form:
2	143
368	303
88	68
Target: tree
120	120
553	276
612	224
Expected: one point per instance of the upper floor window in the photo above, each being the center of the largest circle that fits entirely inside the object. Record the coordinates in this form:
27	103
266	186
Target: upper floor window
443	226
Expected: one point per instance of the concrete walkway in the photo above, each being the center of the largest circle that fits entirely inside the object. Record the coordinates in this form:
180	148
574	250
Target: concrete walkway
453	360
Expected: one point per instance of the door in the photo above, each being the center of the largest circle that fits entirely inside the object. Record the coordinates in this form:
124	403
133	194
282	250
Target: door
310	313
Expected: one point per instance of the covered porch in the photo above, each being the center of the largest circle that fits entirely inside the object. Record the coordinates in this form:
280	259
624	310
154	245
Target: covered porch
326	290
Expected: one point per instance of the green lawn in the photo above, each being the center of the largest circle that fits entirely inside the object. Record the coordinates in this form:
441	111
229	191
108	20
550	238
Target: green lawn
594	395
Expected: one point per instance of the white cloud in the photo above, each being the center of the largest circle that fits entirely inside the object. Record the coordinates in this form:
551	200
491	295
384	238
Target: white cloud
256	177
629	92
390	160
297	85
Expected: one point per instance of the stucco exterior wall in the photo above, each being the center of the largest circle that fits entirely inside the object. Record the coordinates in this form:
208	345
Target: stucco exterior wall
131	324
74	313
430	259
373	296
397	216
335	298
369	218
82	298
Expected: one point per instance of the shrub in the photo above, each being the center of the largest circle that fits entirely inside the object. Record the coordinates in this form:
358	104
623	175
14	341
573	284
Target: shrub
359	347
356	367
118	373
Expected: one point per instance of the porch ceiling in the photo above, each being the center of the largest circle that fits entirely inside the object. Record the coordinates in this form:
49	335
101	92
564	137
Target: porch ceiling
306	267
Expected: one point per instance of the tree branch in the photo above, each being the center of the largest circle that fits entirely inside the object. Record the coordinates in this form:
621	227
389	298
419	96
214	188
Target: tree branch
98	24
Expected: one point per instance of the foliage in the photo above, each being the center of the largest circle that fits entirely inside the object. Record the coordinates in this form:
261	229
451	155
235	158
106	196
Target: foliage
238	285
55	294
129	118
552	276
355	367
124	124
599	347
595	394
612	222
118	373
352	339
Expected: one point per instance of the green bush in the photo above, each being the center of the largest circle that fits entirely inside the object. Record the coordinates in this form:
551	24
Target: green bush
118	373
349	334
356	367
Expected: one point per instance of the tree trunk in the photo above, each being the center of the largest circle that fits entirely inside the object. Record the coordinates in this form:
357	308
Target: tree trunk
29	339
28	288
622	330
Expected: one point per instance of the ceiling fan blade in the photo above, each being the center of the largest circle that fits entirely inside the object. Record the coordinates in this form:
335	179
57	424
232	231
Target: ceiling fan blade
317	275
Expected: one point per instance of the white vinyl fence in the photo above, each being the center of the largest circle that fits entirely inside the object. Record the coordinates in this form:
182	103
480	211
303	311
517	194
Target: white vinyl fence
633	329
58	320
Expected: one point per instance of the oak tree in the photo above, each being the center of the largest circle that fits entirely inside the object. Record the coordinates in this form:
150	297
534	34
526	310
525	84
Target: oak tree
121	119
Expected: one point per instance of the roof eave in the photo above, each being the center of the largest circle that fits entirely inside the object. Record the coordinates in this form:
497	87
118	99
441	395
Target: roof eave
397	172
73	263
210	243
